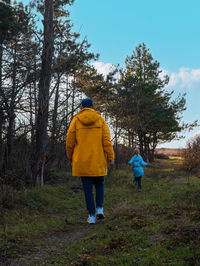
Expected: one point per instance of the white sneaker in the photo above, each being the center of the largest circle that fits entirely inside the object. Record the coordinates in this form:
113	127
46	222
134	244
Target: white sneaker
99	212
91	219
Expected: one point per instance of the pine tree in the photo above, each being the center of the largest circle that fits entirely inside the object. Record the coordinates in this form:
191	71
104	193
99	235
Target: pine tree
148	108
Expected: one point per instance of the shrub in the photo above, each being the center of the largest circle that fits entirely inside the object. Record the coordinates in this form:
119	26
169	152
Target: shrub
191	156
161	156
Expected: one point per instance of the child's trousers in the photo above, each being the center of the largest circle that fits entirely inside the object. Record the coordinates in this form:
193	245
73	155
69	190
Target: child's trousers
139	181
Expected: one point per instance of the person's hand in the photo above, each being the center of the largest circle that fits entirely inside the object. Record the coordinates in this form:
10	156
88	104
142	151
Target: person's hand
111	162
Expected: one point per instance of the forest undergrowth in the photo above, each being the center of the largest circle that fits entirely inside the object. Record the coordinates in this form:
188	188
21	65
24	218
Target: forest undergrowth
159	226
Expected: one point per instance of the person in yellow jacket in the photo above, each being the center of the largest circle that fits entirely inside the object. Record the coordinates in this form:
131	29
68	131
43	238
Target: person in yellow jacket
89	147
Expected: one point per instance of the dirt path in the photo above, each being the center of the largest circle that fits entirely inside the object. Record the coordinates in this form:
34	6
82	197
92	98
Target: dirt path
49	246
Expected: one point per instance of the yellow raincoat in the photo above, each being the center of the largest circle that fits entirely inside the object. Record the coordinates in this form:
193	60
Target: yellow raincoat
88	144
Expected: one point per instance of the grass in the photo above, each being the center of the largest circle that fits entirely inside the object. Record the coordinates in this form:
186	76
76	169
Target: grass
159	226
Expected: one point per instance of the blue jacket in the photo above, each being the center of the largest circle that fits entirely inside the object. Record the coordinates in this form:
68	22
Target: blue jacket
137	163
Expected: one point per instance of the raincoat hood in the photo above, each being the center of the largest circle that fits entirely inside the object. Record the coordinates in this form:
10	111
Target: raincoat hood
88	116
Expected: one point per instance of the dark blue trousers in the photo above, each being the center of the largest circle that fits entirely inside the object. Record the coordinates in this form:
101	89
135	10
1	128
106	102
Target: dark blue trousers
139	181
88	183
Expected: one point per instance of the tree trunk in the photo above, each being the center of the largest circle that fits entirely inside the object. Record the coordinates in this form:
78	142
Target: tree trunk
141	144
132	141
33	102
129	139
1	113
11	113
67	104
73	97
44	84
145	156
31	114
9	137
116	147
54	119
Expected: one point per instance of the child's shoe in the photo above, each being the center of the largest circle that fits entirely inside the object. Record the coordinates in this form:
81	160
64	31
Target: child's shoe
100	214
91	219
134	184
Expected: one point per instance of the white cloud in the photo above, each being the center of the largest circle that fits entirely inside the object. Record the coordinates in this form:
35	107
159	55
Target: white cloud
163	73
185	78
103	68
196	134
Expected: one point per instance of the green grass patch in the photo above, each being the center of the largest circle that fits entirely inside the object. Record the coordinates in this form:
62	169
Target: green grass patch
159	226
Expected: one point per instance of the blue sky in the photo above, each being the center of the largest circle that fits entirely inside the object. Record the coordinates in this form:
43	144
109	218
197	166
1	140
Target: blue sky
170	29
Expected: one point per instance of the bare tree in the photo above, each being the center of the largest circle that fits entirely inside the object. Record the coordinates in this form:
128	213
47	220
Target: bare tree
43	104
191	157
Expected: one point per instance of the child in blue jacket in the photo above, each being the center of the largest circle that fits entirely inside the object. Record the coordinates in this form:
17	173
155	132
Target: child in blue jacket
137	163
